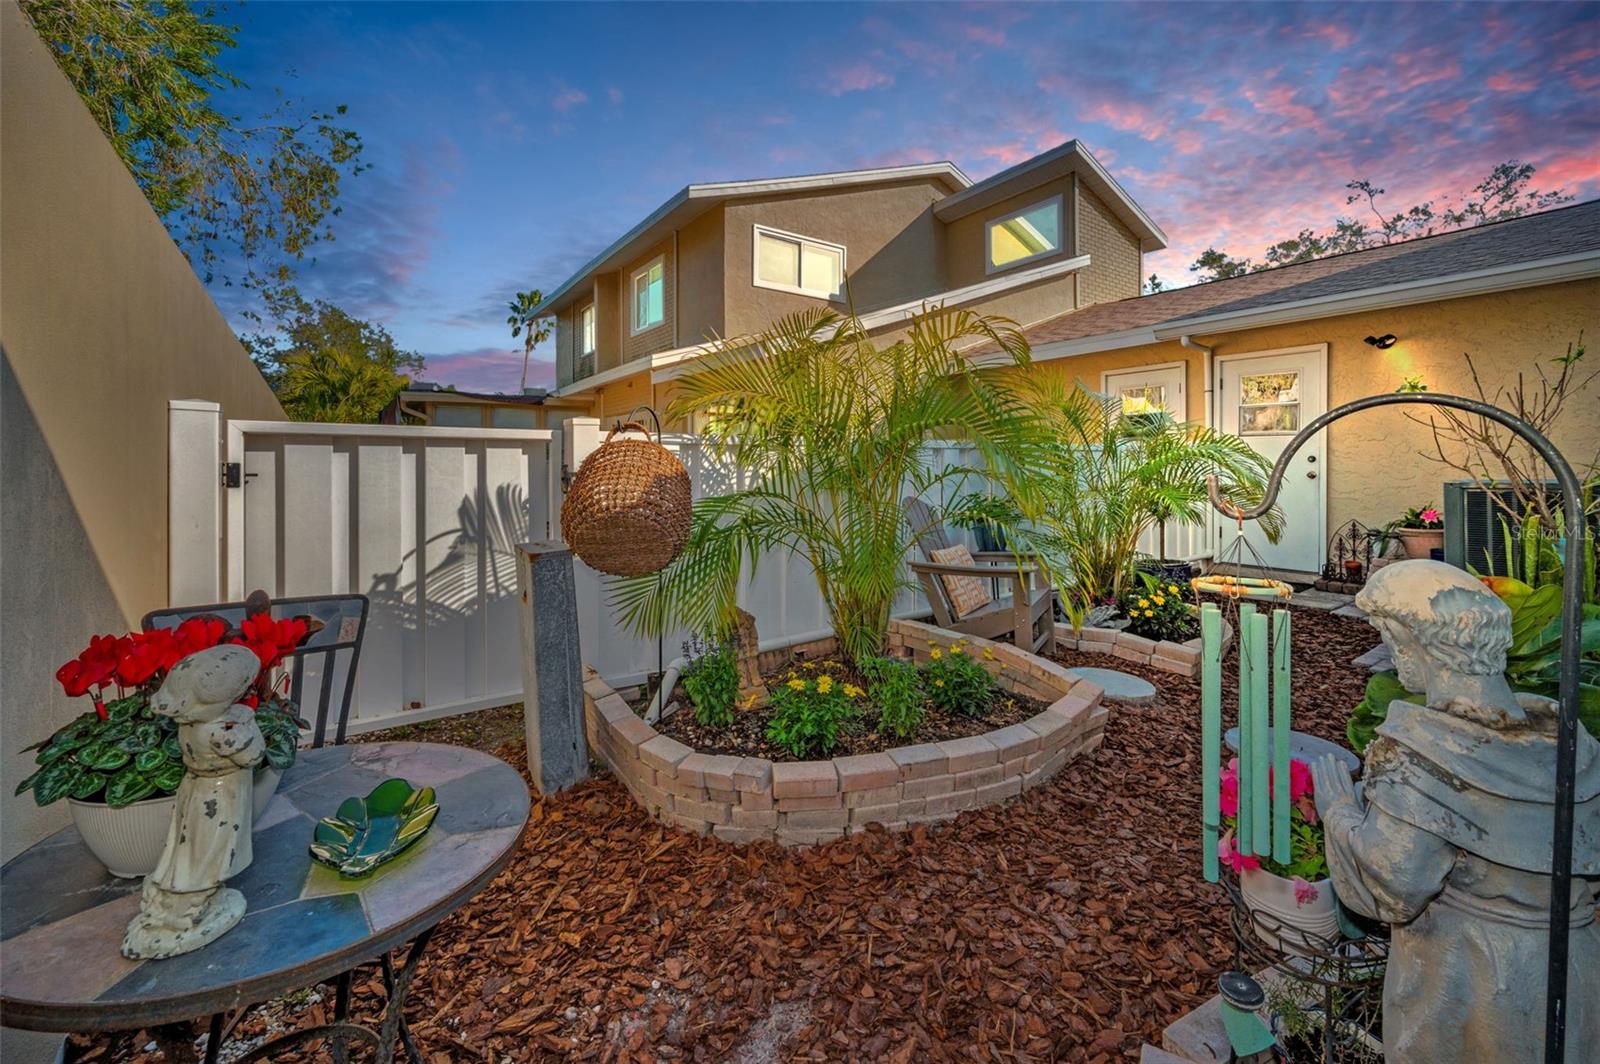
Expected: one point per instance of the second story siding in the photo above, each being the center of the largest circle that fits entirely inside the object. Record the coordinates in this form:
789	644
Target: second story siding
1115	264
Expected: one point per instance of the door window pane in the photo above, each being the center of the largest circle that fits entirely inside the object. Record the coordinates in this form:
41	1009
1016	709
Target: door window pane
1028	234
1269	417
1269	388
778	261
1269	402
1143	398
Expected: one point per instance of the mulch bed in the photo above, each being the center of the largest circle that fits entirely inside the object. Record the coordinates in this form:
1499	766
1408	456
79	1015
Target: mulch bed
747	736
1070	924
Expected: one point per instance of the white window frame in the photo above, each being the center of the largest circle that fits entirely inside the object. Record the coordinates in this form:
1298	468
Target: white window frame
1061	234
634	328
586	342
802	240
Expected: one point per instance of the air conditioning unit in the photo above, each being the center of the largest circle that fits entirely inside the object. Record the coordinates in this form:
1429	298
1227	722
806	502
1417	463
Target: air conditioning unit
1474	525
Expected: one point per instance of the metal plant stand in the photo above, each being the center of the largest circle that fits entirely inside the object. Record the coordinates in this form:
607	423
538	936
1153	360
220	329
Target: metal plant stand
1572	621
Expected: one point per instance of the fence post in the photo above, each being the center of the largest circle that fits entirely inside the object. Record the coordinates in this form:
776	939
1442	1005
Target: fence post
194	502
580	437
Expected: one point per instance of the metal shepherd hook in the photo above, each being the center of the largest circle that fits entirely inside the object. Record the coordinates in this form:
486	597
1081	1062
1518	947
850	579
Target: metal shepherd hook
1555	1029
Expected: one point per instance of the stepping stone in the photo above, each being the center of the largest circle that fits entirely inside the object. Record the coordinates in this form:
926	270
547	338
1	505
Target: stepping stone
1351	610
1303	747
1322	600
1378	659
1119	686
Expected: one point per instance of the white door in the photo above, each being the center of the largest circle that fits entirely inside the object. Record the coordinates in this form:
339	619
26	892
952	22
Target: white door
1149	386
1266	399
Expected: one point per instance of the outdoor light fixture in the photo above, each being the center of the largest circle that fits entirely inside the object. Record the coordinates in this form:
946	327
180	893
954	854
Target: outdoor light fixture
1384	342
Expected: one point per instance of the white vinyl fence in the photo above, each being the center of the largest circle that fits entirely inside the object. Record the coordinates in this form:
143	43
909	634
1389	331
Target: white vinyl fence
425	521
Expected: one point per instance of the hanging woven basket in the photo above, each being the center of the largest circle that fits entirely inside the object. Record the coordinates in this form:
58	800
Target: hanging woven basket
627	512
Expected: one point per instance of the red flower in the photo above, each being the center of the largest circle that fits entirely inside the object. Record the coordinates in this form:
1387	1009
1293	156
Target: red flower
271	639
95	667
198	633
149	653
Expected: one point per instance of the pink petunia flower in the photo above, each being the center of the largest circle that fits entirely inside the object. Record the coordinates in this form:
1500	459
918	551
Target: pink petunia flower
1229	855
1304	892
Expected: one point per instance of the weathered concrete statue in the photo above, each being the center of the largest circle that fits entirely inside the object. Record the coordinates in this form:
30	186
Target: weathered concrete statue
1449	841
184	904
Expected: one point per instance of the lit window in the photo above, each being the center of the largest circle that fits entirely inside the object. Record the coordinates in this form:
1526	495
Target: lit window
649	296
1028	234
792	263
586	330
1269	403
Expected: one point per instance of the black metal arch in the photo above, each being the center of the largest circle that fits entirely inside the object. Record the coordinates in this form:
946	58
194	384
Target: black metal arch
1555	1022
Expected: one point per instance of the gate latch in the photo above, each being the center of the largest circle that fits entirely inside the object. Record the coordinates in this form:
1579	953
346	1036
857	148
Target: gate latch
232	475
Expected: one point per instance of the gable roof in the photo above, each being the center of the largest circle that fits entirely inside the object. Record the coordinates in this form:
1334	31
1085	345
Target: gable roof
694	200
1544	248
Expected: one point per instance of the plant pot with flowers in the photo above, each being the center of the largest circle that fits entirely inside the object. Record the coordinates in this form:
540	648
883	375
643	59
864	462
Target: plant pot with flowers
119	764
1292	904
1420	531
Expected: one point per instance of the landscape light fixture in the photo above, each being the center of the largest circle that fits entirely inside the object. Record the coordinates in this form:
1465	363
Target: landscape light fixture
1384	342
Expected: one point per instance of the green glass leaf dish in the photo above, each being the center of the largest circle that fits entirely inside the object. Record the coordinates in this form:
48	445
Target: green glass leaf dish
366	832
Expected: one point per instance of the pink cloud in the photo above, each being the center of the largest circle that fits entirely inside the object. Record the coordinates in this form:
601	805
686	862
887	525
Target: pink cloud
1187	141
985	35
487	369
614	93
1127	116
1509	82
568	98
858	77
1006	154
1338	37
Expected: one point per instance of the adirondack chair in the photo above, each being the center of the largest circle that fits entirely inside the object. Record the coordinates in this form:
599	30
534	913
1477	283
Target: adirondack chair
1026	612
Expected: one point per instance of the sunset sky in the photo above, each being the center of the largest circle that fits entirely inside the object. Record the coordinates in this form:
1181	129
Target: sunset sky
511	142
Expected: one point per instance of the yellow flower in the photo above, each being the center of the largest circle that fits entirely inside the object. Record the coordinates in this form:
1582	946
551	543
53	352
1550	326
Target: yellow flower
1161	600
852	691
935	654
808	665
1149	613
1174	589
824	684
938	683
988	654
955	649
797	685
1143	603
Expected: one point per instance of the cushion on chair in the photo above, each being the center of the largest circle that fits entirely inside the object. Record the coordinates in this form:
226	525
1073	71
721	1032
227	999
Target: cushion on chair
968	594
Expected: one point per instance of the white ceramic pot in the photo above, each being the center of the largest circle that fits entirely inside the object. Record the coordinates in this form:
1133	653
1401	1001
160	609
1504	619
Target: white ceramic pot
1282	916
129	841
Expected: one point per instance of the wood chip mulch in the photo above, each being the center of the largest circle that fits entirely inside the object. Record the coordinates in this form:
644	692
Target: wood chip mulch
1071	924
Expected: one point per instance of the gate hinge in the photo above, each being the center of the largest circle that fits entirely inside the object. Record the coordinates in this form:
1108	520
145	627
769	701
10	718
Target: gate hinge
232	475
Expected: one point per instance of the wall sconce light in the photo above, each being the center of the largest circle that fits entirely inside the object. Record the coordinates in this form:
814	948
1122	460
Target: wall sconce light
1384	342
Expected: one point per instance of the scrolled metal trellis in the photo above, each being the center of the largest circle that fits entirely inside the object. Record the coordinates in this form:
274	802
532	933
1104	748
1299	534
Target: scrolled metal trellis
1572	621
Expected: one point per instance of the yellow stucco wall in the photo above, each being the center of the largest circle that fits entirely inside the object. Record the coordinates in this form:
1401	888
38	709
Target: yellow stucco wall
1374	468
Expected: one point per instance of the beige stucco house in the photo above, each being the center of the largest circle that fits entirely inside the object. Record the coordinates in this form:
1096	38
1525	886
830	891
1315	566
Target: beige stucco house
1050	235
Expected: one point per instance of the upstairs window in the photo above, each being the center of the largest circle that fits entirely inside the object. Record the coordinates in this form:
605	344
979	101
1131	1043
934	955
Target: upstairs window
799	264
586	330
1025	235
650	296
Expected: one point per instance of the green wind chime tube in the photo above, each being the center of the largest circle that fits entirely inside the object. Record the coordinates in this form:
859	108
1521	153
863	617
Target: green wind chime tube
1281	689
1210	736
1260	743
1245	840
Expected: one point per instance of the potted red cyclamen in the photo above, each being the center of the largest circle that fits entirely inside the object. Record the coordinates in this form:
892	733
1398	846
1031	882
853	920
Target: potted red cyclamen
1291	897
119	764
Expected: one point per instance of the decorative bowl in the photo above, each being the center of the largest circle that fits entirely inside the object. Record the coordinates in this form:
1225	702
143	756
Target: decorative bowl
366	832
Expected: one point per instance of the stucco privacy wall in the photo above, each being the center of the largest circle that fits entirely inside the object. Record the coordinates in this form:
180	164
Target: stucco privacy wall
1374	468
102	322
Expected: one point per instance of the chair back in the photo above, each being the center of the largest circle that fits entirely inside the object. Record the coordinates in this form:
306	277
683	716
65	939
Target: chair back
326	661
930	534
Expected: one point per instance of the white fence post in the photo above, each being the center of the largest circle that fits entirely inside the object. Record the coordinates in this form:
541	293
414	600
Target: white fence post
194	502
580	437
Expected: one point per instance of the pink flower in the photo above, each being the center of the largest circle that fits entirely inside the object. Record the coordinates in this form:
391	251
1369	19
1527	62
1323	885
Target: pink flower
1230	856
1304	892
1299	780
1228	796
1431	515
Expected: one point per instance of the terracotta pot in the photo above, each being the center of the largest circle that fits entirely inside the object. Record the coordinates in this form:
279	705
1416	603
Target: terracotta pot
1421	542
129	840
1282	917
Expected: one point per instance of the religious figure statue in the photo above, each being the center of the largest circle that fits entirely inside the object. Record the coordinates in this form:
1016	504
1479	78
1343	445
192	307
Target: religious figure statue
184	904
747	644
1448	839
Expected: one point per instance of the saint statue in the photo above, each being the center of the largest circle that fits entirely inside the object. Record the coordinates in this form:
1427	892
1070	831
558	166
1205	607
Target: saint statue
184	904
1448	838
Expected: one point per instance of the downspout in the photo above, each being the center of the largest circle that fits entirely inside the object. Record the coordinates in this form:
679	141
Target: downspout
411	411
1208	355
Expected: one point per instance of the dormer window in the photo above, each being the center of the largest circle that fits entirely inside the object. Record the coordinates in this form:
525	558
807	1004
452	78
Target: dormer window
800	264
1022	236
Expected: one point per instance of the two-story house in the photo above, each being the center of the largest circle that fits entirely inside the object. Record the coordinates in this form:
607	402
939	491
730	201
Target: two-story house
1047	236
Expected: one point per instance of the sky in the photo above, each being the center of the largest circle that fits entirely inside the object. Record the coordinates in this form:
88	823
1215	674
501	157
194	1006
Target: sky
511	142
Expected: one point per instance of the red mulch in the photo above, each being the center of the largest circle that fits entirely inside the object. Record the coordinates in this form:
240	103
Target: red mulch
1071	924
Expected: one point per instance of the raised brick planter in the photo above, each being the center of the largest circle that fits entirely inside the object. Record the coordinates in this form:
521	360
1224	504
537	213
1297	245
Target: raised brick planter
1181	658
798	803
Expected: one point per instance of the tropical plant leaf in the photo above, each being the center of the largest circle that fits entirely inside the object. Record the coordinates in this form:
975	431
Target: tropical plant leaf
103	757
55	781
167	777
128	786
148	761
87	786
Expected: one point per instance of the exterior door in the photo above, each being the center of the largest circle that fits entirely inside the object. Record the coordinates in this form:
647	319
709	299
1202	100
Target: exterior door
1265	399
1149	386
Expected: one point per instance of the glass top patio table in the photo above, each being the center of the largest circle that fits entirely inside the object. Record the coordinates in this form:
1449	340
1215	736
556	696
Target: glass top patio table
62	914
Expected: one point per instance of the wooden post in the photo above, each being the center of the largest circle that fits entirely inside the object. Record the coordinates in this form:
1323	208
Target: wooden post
1281	691
1260	708
1244	840
1210	735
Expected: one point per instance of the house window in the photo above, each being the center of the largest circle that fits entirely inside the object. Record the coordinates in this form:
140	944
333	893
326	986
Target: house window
1269	403
586	330
793	263
649	296
1025	235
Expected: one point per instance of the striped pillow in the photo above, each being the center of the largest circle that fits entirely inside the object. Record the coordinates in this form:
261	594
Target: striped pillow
967	594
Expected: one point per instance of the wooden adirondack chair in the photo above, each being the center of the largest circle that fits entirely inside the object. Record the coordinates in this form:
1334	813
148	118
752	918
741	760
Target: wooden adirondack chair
1026	613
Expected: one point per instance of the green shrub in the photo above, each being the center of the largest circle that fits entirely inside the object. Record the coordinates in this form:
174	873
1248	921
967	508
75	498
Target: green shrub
895	688
1157	610
809	712
955	683
712	682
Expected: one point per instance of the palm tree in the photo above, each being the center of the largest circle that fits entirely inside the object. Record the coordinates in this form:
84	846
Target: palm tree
336	385
834	427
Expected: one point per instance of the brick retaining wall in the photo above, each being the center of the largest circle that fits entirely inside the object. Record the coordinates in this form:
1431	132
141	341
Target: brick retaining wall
742	799
1180	658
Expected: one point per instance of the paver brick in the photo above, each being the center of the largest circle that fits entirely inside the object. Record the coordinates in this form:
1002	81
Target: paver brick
978	777
973	751
920	761
861	772
815	818
808	836
664	754
875	814
1014	741
756	800
753	774
999	792
754	818
824	801
711	812
740	835
804	779
876	796
928	787
1138	643
633	734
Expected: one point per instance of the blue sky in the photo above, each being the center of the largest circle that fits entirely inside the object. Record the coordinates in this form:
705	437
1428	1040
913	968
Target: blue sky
510	142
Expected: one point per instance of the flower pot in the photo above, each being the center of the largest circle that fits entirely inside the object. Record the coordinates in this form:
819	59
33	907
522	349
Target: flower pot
1421	542
129	840
1286	923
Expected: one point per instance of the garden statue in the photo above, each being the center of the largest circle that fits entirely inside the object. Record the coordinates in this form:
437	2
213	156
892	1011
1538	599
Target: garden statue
1449	839
184	904
747	644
